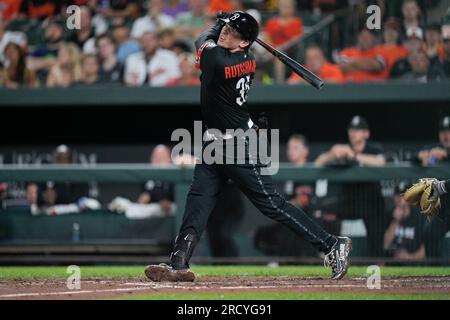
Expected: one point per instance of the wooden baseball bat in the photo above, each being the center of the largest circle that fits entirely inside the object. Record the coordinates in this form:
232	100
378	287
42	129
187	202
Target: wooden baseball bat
299	69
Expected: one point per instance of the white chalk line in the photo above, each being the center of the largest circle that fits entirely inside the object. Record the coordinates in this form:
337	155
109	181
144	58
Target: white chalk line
57	293
206	286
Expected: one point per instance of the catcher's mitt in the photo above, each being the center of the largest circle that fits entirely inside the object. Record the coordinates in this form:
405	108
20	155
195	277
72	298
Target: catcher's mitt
421	194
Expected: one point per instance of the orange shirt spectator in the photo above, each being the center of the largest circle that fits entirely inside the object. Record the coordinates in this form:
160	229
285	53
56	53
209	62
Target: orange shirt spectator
281	32
391	48
220	5
357	55
39	9
316	62
392	54
364	62
286	25
9	8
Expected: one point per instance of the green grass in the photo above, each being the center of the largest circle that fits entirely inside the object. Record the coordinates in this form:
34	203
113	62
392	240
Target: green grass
286	296
59	272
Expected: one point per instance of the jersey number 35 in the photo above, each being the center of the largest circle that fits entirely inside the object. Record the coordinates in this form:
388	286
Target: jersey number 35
243	85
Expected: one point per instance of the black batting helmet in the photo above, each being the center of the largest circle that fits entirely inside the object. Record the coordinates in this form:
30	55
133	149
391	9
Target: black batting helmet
245	24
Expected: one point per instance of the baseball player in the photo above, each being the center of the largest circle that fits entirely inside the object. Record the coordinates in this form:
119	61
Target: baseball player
227	69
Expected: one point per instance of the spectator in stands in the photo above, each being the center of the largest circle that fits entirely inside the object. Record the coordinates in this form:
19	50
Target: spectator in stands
153	21
166	38
120	8
9	9
181	47
17	72
299	194
421	69
158	191
403	239
439	153
40	9
44	56
297	150
189	74
190	24
446	56
54	198
215	6
125	45
152	65
67	69
392	48
363	199
7	36
174	8
157	196
281	29
111	70
360	150
411	15
84	37
433	41
414	42
364	62
286	25
316	61
89	70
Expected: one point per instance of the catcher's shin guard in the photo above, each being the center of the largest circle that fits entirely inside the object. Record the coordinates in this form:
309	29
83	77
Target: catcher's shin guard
183	249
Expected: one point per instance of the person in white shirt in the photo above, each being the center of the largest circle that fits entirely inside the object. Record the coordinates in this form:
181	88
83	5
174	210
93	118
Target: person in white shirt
153	65
154	21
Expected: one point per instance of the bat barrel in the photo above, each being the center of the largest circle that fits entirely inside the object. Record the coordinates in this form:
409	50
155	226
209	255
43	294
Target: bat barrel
299	69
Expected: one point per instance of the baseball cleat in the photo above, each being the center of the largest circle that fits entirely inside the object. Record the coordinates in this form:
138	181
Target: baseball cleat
338	259
164	272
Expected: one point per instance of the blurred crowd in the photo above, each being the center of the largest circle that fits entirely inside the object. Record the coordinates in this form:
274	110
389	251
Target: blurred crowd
150	42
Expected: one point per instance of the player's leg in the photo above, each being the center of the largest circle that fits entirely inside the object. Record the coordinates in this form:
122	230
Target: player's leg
201	199
261	192
223	221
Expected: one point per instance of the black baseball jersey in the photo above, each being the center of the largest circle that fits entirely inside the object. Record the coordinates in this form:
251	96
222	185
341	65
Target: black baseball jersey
225	82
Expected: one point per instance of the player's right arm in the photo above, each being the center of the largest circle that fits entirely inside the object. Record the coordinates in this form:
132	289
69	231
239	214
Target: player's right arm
207	49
